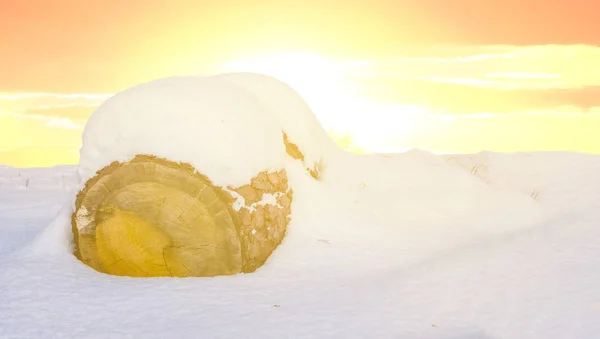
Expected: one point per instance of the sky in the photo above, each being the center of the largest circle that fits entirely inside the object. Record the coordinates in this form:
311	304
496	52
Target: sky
450	76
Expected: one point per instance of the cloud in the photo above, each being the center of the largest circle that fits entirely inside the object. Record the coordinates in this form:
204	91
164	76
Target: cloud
490	66
524	75
446	79
38	140
559	112
49	121
63	123
28	155
55	110
460	79
54	102
586	97
513	83
392	111
69	96
57	106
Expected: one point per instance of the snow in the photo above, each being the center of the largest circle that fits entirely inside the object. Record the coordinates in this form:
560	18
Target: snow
224	131
438	254
412	245
266	199
290	111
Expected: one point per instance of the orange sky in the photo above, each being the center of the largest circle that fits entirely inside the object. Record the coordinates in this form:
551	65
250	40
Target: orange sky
450	76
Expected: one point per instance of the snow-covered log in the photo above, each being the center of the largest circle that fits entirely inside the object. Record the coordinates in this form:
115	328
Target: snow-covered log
186	176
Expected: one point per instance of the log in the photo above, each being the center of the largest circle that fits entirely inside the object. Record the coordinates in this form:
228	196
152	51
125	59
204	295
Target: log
151	217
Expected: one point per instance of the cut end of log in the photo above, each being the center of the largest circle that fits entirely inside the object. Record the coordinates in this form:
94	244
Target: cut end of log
151	217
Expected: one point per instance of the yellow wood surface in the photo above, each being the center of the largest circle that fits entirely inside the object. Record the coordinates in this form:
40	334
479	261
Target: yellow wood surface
152	217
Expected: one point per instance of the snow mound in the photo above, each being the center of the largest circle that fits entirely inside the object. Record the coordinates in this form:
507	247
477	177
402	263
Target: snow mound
290	111
224	131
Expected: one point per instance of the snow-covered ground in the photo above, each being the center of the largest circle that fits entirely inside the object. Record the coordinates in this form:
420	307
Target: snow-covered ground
413	245
484	246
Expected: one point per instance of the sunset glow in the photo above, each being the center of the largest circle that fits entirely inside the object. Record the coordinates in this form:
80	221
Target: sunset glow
452	78
318	80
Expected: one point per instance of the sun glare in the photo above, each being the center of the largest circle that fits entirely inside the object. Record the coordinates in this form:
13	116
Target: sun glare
321	83
314	77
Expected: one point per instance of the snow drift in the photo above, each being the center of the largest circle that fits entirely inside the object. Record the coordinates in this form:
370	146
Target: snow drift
179	172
